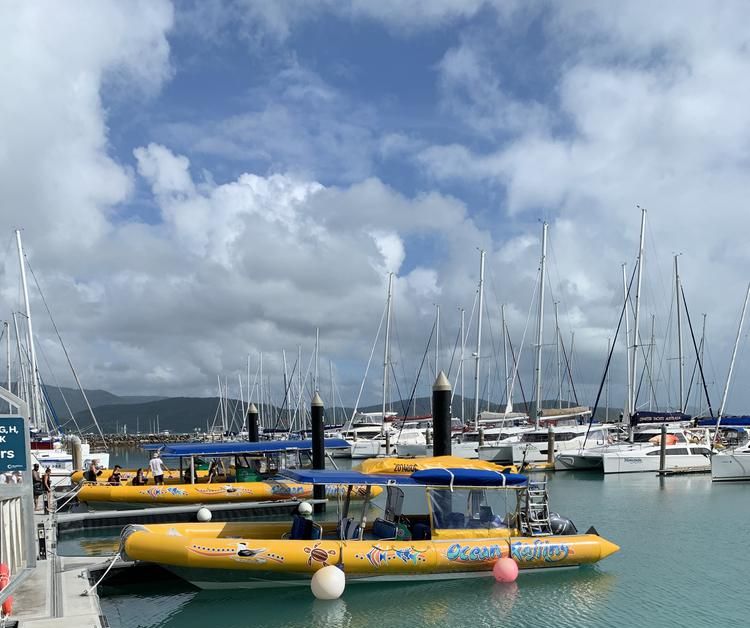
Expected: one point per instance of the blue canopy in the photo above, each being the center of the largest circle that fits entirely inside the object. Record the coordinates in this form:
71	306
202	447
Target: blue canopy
468	477
236	448
429	477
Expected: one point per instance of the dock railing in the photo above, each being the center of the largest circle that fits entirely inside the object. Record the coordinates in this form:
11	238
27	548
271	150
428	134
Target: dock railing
18	548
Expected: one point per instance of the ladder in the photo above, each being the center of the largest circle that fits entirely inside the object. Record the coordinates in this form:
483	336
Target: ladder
533	510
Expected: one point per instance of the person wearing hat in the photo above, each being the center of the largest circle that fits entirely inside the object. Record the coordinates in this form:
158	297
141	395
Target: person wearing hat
157	467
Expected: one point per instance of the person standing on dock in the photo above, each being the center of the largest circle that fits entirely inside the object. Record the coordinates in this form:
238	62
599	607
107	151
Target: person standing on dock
47	487
157	468
36	480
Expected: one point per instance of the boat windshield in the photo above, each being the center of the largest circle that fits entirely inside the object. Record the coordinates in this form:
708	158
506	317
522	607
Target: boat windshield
470	509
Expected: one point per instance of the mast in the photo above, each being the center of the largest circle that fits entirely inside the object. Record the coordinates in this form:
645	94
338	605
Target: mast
731	363
386	347
333	400
652	392
6	331
35	398
437	339
629	396
679	335
300	401
540	331
317	360
508	401
637	318
461	366
606	389
21	386
477	355
260	391
703	346
557	351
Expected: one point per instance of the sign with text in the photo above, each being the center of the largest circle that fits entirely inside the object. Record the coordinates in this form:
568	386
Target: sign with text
12	444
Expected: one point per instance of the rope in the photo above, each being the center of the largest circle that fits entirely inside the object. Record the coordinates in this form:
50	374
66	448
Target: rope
106	571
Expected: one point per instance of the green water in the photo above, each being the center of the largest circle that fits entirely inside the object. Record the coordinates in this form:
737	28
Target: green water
682	563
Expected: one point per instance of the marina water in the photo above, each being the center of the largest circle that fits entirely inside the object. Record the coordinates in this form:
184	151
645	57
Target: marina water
682	563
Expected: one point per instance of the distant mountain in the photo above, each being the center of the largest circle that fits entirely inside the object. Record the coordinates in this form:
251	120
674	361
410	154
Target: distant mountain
185	414
75	401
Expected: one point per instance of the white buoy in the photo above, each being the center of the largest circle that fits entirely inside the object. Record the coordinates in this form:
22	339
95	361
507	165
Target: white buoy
203	515
328	583
305	509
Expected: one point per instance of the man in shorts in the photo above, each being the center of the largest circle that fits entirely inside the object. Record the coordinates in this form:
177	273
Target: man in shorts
157	467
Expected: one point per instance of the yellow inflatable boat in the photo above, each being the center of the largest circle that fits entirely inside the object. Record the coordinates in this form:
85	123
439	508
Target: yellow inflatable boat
463	532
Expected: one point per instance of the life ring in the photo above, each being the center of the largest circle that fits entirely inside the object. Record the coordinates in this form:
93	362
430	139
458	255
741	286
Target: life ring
7	606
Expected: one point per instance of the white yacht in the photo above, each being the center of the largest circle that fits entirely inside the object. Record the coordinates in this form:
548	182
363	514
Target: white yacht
685	450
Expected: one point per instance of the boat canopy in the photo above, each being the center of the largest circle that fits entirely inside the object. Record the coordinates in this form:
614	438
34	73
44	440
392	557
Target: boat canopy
238	448
455	477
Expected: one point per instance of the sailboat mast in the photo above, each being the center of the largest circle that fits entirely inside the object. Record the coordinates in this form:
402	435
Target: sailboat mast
35	397
508	402
6	331
461	366
540	331
317	359
386	346
629	395
637	318
478	354
260	392
437	339
703	346
333	399
606	389
652	388
557	351
679	335
731	363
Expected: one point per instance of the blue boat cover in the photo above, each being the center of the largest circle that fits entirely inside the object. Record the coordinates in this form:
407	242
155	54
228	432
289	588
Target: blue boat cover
726	421
429	477
467	477
236	448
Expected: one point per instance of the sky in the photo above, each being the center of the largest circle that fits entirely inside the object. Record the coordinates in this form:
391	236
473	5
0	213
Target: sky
199	182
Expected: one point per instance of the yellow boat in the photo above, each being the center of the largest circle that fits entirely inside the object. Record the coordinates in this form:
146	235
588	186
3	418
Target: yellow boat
128	496
170	477
459	536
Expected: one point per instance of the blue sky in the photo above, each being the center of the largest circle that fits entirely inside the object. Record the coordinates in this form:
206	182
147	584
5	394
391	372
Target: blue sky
202	181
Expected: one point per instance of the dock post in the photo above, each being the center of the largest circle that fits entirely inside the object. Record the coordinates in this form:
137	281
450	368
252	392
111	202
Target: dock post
387	442
441	416
318	447
481	436
252	424
663	450
550	446
75	450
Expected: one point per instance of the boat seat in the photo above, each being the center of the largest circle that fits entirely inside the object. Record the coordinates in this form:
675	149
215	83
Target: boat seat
347	529
305	529
420	532
382	529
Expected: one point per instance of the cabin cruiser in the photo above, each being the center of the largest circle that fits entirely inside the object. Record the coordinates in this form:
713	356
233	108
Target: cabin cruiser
685	449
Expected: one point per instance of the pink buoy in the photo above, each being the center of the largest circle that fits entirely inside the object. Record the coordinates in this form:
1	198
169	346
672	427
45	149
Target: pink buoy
505	570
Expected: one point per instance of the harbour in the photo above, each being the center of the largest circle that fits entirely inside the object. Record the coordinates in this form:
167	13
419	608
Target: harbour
357	313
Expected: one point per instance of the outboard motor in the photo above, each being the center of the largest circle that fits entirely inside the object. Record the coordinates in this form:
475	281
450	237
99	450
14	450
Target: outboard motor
561	525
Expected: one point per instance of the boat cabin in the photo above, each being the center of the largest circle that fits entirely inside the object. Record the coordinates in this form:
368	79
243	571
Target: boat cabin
460	503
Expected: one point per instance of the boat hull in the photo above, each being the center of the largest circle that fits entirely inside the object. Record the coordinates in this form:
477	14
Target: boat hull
727	467
253	563
573	461
635	463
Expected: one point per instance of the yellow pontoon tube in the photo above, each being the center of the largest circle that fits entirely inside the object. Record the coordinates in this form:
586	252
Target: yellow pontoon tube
407	466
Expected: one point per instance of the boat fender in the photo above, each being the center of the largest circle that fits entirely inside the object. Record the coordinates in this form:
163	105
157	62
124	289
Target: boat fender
561	525
7	607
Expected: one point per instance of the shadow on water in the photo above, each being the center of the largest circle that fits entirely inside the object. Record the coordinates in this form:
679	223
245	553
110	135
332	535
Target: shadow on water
575	593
